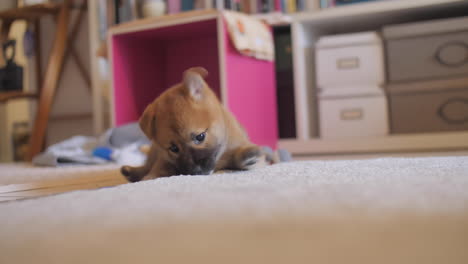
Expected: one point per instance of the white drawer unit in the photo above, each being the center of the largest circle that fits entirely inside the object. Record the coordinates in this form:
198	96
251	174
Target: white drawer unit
365	116
341	54
349	59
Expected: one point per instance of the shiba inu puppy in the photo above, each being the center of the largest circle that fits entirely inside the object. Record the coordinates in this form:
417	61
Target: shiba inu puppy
192	134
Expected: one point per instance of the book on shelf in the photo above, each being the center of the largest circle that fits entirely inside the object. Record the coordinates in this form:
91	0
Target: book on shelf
291	6
256	6
187	5
332	3
246	6
173	6
346	2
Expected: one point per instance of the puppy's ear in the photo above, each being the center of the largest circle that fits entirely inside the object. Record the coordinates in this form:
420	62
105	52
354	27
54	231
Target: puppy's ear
148	122
193	80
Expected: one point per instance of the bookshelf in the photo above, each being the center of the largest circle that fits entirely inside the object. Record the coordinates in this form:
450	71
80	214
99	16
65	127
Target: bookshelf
306	29
252	7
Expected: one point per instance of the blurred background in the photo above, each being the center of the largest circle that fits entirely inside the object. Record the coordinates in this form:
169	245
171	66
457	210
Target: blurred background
351	76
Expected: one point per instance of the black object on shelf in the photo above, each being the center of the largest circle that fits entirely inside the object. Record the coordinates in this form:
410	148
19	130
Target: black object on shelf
11	76
346	2
284	82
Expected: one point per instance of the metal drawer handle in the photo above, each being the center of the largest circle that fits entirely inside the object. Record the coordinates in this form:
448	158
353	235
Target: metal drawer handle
347	63
352	114
439	55
443	114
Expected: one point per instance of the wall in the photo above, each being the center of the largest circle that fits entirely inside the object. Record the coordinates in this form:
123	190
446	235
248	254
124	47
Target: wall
72	108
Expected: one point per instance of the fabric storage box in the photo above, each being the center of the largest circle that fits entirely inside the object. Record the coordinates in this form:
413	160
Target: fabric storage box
362	116
433	49
350	59
430	106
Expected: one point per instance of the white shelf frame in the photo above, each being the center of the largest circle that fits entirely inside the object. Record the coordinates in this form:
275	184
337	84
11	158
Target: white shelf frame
307	27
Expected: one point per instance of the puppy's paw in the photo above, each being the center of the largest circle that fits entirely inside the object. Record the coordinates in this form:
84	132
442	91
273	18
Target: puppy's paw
130	173
250	157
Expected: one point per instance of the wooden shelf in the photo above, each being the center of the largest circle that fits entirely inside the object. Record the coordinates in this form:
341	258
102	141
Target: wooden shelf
6	96
160	21
30	12
393	143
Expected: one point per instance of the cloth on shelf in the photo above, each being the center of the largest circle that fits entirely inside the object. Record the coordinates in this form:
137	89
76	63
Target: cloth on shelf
250	36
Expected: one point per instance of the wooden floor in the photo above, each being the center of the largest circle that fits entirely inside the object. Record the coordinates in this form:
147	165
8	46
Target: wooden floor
40	188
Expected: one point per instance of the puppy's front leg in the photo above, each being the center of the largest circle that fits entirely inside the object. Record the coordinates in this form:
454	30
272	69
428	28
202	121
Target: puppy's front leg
244	158
135	174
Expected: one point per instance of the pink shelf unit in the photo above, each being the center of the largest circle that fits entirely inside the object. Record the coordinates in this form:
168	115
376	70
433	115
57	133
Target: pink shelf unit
149	56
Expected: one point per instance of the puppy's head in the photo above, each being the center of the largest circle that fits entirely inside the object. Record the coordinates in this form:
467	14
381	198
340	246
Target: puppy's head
186	126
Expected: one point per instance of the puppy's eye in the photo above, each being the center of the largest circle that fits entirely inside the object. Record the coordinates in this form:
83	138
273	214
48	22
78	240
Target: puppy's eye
174	148
200	138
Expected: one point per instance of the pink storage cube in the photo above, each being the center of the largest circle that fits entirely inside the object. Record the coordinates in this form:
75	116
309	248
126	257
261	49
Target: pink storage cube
149	56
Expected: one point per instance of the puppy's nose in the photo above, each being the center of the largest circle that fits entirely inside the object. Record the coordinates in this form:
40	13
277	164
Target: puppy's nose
200	156
197	170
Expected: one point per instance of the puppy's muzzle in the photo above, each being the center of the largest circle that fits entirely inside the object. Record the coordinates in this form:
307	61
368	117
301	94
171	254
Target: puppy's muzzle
198	161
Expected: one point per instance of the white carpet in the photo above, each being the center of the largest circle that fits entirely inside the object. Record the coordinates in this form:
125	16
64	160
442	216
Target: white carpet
392	210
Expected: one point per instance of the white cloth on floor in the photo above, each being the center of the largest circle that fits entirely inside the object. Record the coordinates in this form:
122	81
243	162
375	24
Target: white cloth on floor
124	142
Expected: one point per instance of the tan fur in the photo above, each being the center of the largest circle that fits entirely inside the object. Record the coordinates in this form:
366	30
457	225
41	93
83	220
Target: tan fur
179	114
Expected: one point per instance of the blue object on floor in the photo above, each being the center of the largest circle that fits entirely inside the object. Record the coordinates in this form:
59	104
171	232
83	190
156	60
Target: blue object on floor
103	152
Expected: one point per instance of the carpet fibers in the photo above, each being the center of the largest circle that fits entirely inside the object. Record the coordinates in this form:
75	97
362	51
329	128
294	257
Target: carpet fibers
388	210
